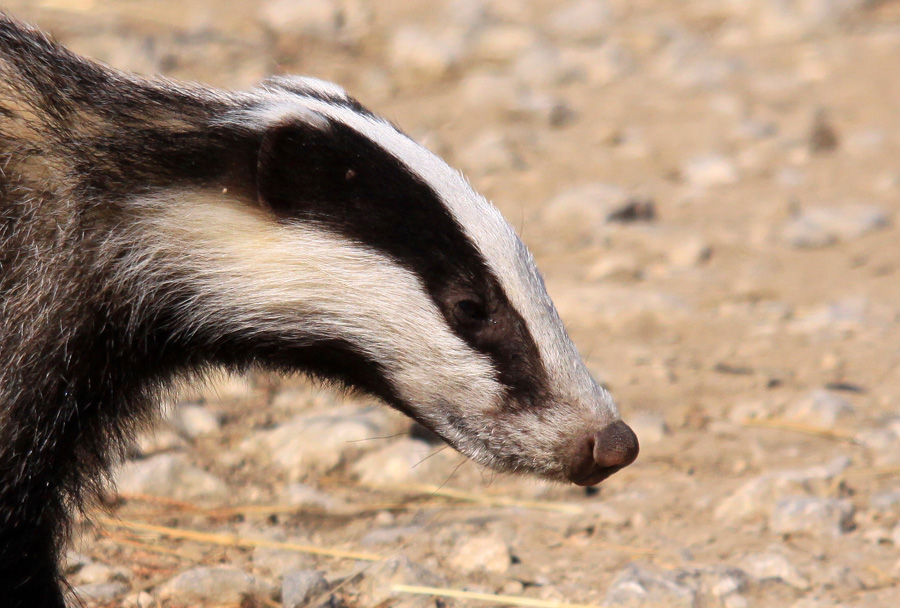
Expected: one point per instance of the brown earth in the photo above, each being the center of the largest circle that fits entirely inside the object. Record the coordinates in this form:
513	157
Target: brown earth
710	322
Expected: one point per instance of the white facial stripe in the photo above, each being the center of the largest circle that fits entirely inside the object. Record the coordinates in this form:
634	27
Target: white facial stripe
501	248
295	279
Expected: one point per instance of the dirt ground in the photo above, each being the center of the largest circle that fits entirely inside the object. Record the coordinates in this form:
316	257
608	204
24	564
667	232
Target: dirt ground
744	318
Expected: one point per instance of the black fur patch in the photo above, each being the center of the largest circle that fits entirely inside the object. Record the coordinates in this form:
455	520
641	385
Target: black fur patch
343	181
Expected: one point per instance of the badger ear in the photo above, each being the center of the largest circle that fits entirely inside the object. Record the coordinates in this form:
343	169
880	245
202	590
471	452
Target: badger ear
300	165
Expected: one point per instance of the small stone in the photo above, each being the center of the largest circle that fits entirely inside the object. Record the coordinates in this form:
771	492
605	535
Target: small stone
817	516
101	592
710	171
542	67
823	226
650	427
346	22
196	420
171	476
142	599
299	587
885	500
505	43
215	585
581	212
278	561
766	566
689	254
487	552
420	56
834	318
821	409
822	136
582	21
319	441
94	572
376	586
396	463
302	495
489	153
158	440
615	266
638	586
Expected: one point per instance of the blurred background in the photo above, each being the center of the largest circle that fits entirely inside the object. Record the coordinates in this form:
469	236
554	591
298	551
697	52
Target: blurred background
711	189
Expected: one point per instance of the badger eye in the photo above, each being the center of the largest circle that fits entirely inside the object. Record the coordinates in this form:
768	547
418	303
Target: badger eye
471	311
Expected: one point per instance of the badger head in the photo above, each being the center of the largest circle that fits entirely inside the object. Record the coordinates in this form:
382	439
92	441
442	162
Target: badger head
366	259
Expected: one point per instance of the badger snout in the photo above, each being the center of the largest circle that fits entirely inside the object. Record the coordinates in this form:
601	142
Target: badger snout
605	452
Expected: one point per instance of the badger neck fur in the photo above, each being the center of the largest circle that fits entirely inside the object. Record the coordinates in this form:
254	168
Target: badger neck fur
151	230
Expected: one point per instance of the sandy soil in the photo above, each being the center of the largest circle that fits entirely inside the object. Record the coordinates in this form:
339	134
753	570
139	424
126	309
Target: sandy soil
765	136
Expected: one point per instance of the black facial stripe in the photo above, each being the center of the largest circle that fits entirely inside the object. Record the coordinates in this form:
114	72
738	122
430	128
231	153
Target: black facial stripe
348	184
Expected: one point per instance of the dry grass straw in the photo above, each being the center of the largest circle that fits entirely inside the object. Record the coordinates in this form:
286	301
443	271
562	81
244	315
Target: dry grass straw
493	501
232	540
798	427
508	600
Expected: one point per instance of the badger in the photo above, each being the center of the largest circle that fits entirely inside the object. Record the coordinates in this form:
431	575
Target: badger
151	231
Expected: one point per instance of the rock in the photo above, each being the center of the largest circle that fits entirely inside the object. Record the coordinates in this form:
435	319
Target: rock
581	212
196	420
347	21
420	56
377	581
101	592
399	462
614	266
823	226
710	171
638	586
141	599
489	153
504	43
821	409
650	427
298	587
158	440
169	475
487	552
319	441
582	21
215	585
689	254
757	496
92	572
302	495
817	516
542	67
781	19
844	316
767	566
278	562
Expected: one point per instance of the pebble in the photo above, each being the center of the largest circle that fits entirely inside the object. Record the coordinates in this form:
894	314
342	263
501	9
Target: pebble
768	566
811	515
196	420
346	21
650	427
689	254
844	316
504	43
215	585
157	440
638	586
757	496
822	226
710	171
278	562
580	213
488	153
101	592
319	441
822	409
399	462
141	599
169	475
93	572
419	56
302	495
582	21
376	586
298	587
614	266
488	552
781	19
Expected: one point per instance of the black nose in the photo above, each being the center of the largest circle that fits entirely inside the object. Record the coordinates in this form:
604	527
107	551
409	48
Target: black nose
608	450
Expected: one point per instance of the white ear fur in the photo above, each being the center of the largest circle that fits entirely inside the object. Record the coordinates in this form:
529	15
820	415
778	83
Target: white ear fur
306	85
